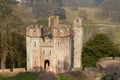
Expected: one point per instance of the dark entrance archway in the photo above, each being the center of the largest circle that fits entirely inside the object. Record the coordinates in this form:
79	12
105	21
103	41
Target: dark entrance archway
46	64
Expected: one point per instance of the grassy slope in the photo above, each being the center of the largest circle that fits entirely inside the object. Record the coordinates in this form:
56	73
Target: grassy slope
28	17
113	33
91	12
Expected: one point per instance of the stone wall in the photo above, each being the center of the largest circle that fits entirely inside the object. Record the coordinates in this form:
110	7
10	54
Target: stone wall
16	70
33	47
110	66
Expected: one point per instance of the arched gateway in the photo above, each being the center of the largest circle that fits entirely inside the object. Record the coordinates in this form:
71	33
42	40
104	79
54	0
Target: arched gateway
46	65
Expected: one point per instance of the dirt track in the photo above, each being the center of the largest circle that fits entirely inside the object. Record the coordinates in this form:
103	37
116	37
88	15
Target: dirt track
46	76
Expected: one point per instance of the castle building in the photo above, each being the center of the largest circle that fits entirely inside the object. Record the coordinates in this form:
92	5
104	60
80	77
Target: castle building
56	48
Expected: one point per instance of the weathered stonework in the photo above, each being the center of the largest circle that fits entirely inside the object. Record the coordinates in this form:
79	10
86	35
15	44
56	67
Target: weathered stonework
54	49
78	42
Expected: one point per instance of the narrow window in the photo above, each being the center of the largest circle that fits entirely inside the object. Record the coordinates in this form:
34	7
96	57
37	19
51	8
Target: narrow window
35	62
58	44
58	62
77	20
50	52
43	52
35	44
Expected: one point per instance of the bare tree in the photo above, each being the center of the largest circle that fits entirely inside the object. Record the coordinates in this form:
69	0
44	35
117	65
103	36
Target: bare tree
111	8
44	9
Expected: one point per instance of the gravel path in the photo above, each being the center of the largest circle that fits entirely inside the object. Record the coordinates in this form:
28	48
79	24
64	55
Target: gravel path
46	76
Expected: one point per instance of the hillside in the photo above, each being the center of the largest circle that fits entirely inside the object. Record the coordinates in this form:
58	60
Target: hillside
27	15
98	25
91	13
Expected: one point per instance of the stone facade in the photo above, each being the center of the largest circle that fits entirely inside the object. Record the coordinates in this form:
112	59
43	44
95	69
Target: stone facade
56	48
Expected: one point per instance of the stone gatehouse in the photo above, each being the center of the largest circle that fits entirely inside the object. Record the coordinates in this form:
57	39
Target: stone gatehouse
55	48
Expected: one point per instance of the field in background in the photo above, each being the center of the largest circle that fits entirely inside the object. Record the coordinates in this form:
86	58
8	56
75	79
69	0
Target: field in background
28	17
25	14
98	25
102	25
91	14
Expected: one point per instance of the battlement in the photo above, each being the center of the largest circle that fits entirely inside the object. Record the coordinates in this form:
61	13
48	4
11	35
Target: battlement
34	30
61	31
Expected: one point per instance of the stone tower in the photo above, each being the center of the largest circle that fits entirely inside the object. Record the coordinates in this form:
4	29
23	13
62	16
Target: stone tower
53	21
62	48
33	47
78	42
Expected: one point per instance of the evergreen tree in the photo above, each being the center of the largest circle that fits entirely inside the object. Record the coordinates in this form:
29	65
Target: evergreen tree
99	46
61	77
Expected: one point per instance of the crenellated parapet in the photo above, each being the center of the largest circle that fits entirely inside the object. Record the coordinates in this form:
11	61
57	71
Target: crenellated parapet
61	31
34	30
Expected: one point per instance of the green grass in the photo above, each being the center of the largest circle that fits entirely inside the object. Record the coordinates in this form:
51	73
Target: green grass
26	76
62	77
91	14
100	23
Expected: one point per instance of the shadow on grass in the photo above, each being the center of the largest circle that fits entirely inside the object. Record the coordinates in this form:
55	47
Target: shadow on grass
21	76
72	75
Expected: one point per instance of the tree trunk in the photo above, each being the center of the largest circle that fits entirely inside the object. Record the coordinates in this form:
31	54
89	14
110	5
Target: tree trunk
3	59
4	50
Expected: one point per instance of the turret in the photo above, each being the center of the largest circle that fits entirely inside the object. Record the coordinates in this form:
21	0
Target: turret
78	42
54	21
34	30
33	34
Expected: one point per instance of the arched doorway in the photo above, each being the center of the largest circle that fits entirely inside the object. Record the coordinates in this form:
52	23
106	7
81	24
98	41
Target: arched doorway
46	65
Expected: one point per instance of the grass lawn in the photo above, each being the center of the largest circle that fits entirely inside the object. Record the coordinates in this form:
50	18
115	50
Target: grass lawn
23	76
